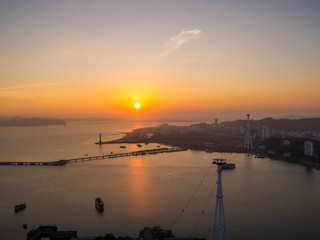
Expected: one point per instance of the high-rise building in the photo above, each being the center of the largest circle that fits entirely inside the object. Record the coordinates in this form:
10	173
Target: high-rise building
265	131
308	148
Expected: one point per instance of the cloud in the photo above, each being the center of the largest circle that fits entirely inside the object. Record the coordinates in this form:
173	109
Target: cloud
180	39
25	91
28	86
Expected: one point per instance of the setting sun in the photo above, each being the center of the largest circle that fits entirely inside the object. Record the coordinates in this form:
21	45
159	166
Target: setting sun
137	105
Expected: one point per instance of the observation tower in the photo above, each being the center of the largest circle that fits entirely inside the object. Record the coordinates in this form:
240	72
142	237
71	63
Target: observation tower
248	140
221	225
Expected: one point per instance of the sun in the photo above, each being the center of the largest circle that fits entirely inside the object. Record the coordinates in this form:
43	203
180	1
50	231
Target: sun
137	105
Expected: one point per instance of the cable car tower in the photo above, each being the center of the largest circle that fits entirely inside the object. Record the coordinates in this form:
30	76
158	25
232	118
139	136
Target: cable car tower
248	140
219	211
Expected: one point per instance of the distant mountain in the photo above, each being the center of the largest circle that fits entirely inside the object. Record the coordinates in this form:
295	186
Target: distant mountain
22	121
290	116
305	124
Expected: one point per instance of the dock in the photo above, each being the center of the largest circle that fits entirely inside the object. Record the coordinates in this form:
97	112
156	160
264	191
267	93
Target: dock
92	158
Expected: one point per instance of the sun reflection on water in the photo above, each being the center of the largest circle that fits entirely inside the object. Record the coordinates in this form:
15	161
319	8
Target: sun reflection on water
139	189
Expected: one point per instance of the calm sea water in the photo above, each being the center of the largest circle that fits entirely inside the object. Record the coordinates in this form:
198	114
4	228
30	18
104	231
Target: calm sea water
263	199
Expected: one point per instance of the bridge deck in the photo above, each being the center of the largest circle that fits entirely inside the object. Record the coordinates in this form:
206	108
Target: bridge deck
83	159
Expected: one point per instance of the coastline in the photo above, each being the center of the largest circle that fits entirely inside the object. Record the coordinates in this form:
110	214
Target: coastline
182	137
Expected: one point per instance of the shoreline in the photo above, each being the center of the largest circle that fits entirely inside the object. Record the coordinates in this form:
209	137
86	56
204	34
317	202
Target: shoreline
131	138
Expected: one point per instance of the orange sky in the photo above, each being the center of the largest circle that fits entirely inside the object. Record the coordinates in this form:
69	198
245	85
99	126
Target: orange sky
177	59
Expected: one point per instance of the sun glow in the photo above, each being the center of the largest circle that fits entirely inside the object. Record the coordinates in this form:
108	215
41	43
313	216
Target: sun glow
137	105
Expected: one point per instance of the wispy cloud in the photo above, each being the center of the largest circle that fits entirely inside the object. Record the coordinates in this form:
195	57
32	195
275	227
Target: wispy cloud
226	27
25	86
26	91
180	39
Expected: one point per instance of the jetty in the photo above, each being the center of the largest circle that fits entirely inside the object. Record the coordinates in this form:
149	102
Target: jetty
104	156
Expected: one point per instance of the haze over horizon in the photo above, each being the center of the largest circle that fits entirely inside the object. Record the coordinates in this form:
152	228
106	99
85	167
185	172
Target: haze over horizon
178	59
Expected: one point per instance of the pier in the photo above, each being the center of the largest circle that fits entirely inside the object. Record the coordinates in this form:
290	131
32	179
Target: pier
92	158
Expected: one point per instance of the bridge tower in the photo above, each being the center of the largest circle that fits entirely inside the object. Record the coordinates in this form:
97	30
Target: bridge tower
221	226
100	142
248	140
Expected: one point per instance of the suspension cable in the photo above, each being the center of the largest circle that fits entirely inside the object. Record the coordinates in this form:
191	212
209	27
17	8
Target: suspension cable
206	205
192	196
203	209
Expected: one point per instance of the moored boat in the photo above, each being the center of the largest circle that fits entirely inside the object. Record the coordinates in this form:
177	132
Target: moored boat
19	207
99	204
229	166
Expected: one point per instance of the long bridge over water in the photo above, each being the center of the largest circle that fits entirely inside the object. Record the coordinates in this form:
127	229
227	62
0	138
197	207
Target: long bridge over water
104	156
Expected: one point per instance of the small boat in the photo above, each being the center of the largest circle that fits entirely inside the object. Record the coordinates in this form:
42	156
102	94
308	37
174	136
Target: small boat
25	226
139	145
99	204
229	166
19	207
123	147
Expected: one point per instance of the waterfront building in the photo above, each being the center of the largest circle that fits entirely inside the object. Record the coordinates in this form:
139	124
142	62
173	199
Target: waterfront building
286	142
62	235
265	131
287	155
154	233
308	148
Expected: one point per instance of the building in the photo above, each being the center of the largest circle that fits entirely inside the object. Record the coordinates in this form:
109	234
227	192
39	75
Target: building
63	235
308	148
50	232
154	233
286	142
265	131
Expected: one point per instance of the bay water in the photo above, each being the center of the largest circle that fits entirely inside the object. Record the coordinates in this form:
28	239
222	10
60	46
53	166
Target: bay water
263	198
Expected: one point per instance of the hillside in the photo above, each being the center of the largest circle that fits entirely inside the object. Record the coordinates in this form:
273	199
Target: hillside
21	121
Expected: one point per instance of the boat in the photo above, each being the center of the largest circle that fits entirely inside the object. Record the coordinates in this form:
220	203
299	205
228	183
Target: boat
25	226
99	204
139	145
123	147
19	207
229	166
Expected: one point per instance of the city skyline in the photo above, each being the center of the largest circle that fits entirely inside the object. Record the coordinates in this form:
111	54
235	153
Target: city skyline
189	59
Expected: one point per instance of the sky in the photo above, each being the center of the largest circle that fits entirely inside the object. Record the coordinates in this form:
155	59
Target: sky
179	59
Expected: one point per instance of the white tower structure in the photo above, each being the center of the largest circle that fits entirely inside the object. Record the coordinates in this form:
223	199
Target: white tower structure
308	148
248	141
265	131
221	225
